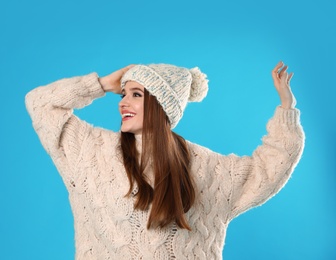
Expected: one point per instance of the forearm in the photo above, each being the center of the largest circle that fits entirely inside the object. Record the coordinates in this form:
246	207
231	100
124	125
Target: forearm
257	178
51	106
68	93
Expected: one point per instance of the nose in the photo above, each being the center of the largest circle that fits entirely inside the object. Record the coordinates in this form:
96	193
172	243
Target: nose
124	102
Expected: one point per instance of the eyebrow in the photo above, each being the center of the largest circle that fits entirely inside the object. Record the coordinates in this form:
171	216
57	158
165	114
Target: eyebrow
133	89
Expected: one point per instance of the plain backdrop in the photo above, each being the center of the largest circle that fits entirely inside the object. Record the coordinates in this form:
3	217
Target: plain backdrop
236	43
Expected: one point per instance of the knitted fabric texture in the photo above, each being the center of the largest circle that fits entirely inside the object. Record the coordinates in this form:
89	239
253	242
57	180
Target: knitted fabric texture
172	86
106	224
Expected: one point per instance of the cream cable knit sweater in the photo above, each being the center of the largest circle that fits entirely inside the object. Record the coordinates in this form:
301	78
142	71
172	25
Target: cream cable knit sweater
106	224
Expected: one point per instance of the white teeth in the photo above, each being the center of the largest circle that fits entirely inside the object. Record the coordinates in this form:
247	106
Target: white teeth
128	114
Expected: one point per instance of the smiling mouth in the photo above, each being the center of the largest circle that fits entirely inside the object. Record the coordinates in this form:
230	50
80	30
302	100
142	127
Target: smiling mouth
127	116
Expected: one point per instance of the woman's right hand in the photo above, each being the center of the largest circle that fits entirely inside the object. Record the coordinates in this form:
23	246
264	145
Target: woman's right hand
282	80
111	82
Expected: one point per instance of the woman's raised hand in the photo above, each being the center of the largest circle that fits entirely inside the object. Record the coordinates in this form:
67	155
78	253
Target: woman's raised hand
111	82
281	80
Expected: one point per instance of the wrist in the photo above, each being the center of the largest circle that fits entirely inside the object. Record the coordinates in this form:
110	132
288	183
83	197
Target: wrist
287	106
104	83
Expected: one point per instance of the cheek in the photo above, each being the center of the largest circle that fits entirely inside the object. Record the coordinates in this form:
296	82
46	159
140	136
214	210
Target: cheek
140	119
140	109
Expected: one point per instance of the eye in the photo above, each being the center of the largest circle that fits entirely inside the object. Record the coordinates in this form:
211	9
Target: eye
122	96
135	94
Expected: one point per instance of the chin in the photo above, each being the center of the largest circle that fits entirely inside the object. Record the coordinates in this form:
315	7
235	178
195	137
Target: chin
129	131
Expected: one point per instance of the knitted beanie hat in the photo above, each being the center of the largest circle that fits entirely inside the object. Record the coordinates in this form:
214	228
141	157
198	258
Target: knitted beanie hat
172	86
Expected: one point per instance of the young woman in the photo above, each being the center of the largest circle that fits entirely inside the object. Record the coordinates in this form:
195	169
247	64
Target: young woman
145	192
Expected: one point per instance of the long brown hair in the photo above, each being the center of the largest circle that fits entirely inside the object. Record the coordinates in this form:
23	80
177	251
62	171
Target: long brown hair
173	193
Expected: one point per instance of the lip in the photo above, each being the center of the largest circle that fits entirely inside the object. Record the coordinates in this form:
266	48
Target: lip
127	112
126	118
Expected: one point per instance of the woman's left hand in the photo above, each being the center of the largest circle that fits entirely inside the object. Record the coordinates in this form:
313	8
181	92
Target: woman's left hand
281	80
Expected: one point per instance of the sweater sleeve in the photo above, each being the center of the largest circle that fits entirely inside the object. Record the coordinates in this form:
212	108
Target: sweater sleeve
51	109
256	178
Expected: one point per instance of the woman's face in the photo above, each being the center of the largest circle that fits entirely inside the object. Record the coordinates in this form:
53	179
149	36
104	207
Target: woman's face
131	108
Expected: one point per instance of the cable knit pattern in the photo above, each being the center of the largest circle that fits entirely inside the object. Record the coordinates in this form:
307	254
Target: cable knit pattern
106	224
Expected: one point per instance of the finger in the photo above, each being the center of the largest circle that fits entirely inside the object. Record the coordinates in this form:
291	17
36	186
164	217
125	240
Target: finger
282	71
290	77
284	78
130	66
125	69
275	74
276	68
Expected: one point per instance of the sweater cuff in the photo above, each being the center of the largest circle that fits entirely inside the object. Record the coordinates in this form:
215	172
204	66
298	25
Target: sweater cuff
94	88
287	116
78	92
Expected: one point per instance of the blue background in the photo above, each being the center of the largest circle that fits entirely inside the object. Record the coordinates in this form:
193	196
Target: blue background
237	43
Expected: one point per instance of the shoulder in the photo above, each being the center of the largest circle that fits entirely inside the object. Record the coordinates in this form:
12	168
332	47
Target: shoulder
104	136
88	136
201	153
196	149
